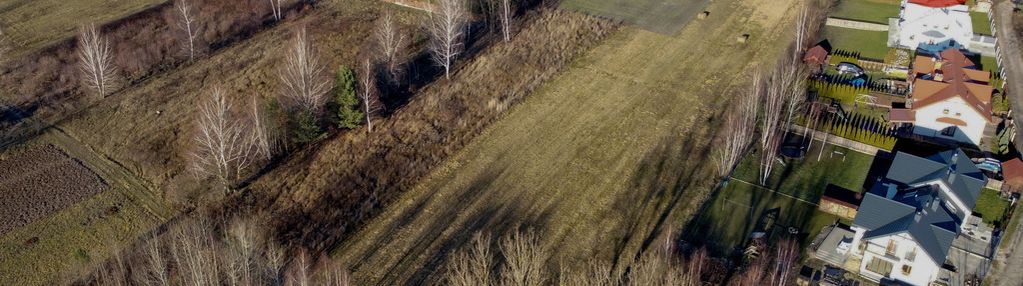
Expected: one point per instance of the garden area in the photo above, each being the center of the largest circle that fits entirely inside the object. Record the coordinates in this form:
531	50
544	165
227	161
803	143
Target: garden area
869	44
991	207
874	11
790	196
981	25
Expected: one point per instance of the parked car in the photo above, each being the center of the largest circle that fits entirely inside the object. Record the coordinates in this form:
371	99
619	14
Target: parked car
850	68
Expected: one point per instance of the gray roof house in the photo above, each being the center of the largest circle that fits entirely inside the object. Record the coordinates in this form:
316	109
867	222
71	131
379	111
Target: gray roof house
918	207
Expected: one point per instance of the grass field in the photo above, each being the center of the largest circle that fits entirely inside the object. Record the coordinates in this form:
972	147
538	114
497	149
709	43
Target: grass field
991	207
793	193
666	17
32	24
874	11
599	162
980	23
870	44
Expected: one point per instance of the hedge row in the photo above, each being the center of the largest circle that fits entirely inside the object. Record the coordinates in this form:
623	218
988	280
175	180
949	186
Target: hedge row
863	129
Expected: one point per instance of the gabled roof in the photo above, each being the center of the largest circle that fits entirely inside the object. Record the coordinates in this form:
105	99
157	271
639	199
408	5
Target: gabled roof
936	80
919	212
952	167
938	3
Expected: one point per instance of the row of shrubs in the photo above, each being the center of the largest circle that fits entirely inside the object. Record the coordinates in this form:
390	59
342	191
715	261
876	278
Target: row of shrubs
863	129
836	88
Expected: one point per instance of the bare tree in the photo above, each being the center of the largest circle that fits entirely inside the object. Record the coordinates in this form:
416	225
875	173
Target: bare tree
753	274
157	265
447	25
785	258
739	128
187	25
524	260
801	31
222	149
264	132
472	266
392	43
275	8
771	131
95	60
303	77
300	269
368	94
506	21
194	245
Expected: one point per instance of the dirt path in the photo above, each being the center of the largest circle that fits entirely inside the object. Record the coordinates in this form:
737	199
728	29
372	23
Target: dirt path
600	161
1007	262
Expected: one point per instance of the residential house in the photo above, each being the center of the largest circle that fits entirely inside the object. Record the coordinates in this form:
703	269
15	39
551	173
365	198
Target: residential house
949	98
907	222
934	21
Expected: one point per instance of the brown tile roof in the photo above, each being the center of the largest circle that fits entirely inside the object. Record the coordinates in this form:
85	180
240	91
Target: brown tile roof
817	54
951	78
953	121
1012	172
898	115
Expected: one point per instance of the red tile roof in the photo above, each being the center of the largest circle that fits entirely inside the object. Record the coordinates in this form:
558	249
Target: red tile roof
1012	172
899	115
938	3
817	55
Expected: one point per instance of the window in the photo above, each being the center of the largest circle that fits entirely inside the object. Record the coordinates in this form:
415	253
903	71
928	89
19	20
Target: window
949	131
906	269
879	266
959	114
890	250
945	111
911	255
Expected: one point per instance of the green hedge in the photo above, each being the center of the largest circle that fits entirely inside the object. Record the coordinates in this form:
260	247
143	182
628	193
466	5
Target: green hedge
863	129
844	93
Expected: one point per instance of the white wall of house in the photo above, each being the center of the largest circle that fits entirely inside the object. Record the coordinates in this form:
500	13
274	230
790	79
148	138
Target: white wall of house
927	124
921	24
907	255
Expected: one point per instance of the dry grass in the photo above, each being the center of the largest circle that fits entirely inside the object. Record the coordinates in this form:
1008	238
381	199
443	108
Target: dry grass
601	160
33	24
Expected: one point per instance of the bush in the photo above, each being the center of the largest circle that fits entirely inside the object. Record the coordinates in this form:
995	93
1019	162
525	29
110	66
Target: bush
348	115
863	129
304	127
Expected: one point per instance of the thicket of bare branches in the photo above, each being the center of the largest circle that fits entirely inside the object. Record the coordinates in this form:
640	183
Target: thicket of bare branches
447	27
524	260
472	266
266	134
392	42
303	76
188	26
197	251
95	60
223	145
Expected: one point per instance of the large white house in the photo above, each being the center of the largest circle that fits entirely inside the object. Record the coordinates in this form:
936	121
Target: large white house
933	22
906	224
948	98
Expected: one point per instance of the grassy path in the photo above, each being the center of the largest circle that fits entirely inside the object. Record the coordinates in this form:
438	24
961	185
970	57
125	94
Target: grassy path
600	161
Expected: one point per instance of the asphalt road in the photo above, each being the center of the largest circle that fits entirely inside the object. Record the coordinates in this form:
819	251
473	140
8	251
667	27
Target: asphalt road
1009	261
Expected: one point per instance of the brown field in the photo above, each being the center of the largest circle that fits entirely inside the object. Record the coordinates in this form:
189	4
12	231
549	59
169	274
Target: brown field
40	181
601	161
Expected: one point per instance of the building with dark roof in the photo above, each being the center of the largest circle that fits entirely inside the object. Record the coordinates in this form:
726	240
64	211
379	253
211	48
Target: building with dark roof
908	220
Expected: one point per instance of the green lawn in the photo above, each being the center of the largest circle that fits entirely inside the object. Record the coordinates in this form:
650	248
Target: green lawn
991	207
980	23
870	44
875	11
736	210
989	64
666	17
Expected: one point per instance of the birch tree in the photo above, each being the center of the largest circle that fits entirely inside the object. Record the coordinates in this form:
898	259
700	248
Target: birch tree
472	266
221	148
265	133
447	25
770	127
303	78
188	26
392	43
784	261
275	9
740	126
95	60
524	259
506	21
368	94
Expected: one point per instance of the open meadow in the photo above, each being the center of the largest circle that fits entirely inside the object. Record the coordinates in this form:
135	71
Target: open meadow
33	24
599	162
